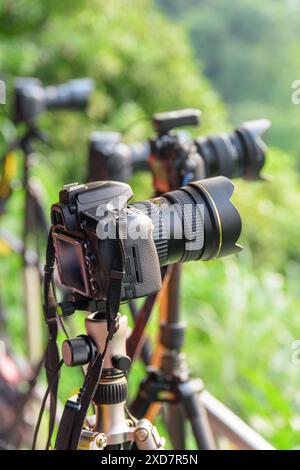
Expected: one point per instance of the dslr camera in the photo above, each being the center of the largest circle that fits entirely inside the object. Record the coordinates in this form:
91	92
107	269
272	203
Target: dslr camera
112	159
195	222
175	158
31	98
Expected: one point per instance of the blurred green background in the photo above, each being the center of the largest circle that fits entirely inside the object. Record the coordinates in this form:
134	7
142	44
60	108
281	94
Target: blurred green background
235	60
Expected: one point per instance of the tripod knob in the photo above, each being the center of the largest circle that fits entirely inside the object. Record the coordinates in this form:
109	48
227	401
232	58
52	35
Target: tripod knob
78	351
121	362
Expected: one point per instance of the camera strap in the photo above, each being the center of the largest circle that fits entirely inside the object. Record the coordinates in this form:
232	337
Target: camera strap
74	414
50	313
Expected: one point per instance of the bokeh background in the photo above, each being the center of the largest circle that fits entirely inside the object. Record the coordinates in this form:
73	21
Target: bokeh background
235	60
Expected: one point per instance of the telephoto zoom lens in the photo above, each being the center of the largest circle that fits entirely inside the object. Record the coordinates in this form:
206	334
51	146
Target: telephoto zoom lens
239	154
73	94
197	221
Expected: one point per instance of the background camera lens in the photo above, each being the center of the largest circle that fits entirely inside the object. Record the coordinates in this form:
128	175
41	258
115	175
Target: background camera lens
239	154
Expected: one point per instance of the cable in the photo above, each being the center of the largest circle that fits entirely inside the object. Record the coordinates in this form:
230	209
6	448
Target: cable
37	428
63	326
133	123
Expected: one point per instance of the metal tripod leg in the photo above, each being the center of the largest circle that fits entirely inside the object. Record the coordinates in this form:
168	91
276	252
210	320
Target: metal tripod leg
175	422
196	413
148	393
178	397
170	382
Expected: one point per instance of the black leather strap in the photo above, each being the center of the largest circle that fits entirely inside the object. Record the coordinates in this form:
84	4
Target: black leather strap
52	354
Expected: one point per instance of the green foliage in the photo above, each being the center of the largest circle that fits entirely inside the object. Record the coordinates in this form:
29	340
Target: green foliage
120	46
249	50
242	312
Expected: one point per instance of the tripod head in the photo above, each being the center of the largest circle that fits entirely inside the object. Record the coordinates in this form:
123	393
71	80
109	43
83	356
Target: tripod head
109	424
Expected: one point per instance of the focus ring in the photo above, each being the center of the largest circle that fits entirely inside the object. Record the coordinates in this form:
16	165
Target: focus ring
192	224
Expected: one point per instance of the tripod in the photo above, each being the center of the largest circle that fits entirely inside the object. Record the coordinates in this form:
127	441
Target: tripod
108	428
34	223
169	382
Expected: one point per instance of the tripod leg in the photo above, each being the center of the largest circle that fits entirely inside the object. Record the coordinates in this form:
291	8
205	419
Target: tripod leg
32	281
140	405
32	305
2	318
196	415
146	350
147	397
174	415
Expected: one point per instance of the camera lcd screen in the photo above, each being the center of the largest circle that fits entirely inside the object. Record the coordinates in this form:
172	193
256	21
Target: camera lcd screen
71	266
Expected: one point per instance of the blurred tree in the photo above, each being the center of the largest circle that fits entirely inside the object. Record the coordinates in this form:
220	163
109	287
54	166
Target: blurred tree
117	44
142	64
250	52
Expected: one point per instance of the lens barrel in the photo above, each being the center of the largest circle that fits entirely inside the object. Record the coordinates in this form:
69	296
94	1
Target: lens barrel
238	154
73	94
195	222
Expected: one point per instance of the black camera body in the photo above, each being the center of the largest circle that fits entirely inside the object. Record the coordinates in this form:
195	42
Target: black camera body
111	159
32	98
174	159
82	224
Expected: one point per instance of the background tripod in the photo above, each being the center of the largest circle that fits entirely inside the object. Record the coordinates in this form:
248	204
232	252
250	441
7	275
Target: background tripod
173	164
169	382
30	100
33	225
